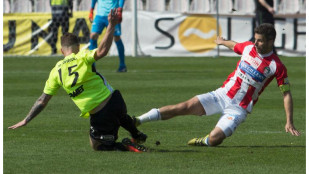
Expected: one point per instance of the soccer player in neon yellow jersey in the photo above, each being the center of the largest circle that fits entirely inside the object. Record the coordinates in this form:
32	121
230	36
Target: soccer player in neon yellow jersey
91	92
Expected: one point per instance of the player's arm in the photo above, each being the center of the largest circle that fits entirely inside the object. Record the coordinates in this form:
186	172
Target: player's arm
288	106
267	6
38	106
228	43
93	2
107	41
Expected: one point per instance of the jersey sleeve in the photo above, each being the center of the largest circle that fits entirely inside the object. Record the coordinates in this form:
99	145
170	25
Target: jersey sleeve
52	85
282	78
239	47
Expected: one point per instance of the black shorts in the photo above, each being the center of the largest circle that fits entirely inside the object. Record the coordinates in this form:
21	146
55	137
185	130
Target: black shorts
106	121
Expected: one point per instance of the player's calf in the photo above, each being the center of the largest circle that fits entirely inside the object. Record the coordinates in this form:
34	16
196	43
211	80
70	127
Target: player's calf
216	137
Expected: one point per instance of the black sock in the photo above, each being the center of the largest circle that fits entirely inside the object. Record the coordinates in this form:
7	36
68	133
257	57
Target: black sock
127	123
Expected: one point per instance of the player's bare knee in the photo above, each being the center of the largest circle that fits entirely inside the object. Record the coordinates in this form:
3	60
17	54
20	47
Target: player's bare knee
95	148
94	145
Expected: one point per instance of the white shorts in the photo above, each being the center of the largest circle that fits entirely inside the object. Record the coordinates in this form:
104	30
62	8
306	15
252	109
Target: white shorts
217	102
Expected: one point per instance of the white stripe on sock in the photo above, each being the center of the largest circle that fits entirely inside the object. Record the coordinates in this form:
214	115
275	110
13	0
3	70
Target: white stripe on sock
152	115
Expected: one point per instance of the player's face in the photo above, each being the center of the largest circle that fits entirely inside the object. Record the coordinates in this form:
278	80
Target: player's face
262	45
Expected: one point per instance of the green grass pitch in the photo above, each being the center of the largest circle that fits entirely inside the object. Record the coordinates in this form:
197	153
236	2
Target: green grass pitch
57	140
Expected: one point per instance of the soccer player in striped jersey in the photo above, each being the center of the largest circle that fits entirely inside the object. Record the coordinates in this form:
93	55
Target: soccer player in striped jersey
257	67
100	22
91	92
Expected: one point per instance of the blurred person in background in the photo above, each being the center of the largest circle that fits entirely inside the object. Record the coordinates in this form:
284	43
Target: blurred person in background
265	11
100	22
61	11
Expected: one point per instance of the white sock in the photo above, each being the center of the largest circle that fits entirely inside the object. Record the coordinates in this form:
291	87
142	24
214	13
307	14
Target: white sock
207	141
152	115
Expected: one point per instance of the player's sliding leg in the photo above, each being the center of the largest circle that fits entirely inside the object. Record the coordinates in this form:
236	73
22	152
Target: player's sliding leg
111	145
120	47
215	138
127	123
190	107
100	142
123	119
204	141
152	115
225	127
132	146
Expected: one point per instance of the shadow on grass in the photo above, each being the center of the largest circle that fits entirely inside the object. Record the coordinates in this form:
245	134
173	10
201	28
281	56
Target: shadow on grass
261	146
202	148
167	150
185	149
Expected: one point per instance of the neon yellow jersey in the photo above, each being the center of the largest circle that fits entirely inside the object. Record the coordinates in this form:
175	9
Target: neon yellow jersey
59	2
76	74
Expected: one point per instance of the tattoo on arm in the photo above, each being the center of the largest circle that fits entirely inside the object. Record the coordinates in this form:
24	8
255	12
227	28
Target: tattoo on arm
38	106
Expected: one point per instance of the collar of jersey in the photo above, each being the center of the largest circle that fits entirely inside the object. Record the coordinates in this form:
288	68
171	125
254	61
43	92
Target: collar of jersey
265	55
70	55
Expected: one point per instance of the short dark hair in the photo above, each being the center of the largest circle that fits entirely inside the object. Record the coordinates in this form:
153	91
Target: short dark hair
69	39
267	30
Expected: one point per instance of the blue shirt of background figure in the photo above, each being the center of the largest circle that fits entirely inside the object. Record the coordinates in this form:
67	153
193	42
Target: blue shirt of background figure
104	6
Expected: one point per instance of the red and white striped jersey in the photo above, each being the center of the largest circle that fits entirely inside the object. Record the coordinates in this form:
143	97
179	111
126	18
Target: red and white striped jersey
252	74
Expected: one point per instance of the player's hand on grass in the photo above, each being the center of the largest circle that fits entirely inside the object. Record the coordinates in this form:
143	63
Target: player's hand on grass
113	17
290	128
91	15
219	40
19	124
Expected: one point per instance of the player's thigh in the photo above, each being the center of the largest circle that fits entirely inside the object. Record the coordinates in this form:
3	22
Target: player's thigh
193	107
99	23
104	122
